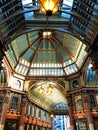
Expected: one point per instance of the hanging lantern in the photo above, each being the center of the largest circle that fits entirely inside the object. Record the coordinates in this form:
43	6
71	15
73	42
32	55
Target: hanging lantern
49	7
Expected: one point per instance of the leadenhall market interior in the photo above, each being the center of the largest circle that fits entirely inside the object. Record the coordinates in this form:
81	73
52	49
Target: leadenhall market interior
48	65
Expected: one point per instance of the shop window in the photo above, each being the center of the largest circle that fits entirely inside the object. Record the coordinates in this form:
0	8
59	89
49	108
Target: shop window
78	102
30	127
14	103
31	110
39	128
11	125
25	127
81	124
92	101
34	127
39	113
34	111
27	107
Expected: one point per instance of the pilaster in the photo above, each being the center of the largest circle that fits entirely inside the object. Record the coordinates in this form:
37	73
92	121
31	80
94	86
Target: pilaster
23	108
87	109
70	106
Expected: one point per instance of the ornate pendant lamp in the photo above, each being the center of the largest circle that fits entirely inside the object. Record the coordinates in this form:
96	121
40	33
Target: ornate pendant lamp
49	7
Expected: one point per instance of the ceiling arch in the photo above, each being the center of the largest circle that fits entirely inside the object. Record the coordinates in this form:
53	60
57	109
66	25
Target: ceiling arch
46	97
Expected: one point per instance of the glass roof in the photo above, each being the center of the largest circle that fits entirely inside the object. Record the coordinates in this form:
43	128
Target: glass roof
33	53
32	12
39	93
58	54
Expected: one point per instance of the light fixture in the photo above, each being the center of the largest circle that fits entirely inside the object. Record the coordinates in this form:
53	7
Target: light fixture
41	90
52	115
46	34
49	7
46	88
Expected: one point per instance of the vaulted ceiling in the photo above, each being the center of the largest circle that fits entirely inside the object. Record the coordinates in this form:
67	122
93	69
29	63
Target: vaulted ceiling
35	54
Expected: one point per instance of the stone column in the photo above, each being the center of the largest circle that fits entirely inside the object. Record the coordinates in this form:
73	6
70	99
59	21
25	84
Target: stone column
4	110
70	106
87	109
22	112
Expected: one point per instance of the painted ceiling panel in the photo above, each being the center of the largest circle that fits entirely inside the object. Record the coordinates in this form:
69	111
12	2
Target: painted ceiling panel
33	35
41	56
64	54
53	57
29	54
36	43
46	56
11	57
56	44
72	44
19	45
59	35
46	44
